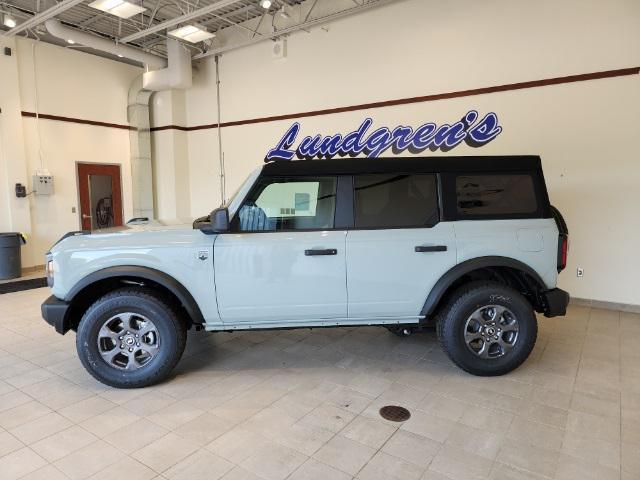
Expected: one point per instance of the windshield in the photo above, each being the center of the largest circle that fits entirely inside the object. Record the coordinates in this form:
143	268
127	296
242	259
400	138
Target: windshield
233	197
233	203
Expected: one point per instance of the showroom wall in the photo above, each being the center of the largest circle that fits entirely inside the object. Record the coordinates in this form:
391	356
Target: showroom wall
73	84
586	132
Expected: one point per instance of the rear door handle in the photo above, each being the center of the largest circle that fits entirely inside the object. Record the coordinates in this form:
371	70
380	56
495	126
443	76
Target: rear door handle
430	248
325	251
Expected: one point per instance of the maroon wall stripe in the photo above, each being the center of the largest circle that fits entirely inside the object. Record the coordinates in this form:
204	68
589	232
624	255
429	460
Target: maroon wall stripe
365	106
58	118
173	127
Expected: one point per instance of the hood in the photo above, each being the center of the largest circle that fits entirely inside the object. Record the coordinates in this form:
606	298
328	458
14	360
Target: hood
133	227
139	225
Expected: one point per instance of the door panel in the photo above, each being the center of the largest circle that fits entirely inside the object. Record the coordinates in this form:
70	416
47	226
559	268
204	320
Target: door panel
387	277
100	196
267	276
282	262
398	250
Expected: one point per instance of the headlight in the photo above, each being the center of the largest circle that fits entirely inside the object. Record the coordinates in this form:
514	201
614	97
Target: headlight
49	272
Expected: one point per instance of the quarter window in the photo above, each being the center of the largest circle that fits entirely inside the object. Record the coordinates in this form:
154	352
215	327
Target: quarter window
394	201
289	204
495	195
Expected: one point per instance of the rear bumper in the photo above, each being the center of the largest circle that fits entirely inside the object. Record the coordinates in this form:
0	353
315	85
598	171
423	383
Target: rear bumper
55	313
555	302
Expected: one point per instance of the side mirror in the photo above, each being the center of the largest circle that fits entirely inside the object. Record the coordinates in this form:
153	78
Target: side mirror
218	222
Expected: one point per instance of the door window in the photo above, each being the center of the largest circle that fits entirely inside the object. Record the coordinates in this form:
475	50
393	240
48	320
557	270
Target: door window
101	197
277	204
394	201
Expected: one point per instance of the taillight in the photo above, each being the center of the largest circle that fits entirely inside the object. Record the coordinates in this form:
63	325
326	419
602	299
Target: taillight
563	250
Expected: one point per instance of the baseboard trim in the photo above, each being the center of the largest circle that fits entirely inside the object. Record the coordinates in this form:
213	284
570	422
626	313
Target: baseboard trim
623	307
35	268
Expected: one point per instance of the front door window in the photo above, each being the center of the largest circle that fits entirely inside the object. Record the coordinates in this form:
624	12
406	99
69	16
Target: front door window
285	204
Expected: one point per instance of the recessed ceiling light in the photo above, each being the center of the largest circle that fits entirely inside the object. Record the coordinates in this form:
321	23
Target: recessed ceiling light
119	8
8	21
191	33
70	41
120	55
265	3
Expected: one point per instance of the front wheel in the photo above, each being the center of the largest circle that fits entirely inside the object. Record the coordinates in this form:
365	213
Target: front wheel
130	338
487	329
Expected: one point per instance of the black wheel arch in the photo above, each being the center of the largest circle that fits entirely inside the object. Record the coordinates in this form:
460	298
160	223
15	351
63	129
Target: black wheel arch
506	270
100	282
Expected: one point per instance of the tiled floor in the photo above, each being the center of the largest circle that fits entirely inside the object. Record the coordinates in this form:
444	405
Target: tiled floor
303	404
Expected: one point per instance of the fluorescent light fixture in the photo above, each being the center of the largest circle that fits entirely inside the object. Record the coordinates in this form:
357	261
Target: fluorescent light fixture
119	8
191	33
265	4
8	21
284	13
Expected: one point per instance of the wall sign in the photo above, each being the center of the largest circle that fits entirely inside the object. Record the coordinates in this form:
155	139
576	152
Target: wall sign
472	130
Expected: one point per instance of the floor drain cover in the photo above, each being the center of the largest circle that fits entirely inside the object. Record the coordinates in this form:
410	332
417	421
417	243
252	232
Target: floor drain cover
395	413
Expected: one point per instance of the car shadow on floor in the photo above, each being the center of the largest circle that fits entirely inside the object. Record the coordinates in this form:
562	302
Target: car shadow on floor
305	348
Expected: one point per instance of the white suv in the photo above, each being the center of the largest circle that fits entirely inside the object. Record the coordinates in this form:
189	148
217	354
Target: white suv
468	244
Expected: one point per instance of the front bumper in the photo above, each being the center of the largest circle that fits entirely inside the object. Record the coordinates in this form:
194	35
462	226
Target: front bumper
56	313
555	302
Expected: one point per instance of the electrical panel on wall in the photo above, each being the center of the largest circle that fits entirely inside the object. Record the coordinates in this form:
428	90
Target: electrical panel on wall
43	183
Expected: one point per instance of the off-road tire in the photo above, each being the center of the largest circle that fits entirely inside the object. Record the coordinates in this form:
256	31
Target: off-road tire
171	329
462	303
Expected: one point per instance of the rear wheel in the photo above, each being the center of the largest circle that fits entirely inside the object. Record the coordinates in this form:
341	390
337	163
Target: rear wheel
130	338
487	329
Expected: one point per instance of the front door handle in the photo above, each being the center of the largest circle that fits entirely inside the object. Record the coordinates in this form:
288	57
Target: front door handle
325	251
430	248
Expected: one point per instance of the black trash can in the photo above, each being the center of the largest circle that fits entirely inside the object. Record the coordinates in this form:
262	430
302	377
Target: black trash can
10	262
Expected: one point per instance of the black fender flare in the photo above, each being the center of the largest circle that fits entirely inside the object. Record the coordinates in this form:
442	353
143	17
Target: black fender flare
143	273
446	280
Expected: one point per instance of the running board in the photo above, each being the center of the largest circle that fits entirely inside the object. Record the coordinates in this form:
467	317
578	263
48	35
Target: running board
321	323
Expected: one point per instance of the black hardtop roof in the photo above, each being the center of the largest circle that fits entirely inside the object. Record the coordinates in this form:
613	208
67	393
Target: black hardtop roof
352	166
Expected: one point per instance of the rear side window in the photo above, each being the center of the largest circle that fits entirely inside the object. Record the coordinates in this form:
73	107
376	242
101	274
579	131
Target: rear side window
394	201
499	195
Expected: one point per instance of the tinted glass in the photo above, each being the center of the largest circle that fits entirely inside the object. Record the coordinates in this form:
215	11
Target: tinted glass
495	195
289	204
384	201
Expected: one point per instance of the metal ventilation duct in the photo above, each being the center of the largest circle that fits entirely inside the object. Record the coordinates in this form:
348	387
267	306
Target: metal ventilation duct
176	75
55	28
140	150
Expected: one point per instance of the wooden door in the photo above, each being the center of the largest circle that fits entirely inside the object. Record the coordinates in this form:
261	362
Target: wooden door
100	196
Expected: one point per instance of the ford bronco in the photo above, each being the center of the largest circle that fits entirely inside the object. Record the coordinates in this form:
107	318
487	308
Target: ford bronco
469	245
